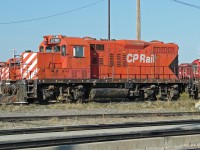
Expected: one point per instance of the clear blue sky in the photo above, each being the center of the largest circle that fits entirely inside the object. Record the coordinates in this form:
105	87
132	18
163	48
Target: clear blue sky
162	20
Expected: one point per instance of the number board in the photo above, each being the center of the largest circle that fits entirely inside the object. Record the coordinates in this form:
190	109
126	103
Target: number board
55	40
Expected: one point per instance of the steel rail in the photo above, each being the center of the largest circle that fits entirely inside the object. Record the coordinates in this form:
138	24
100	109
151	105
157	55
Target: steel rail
94	127
96	138
113	115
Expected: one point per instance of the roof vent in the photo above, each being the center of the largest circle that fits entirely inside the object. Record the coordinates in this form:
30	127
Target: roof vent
89	38
28	51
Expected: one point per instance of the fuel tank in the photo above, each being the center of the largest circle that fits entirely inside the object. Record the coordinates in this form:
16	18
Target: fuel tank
108	93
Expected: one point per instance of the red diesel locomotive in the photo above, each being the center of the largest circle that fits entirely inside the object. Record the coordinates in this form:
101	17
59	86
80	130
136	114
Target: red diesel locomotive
81	69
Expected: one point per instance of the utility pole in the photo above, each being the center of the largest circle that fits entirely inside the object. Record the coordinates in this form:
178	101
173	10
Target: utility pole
14	51
109	20
138	21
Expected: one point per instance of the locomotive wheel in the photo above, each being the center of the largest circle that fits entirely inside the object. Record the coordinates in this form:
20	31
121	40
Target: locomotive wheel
164	97
67	101
79	101
173	95
41	100
196	95
137	95
31	101
150	95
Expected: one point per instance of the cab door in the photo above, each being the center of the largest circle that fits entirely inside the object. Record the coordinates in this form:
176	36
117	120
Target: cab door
94	62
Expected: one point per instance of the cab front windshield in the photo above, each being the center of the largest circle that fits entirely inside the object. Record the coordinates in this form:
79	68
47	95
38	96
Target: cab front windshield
50	49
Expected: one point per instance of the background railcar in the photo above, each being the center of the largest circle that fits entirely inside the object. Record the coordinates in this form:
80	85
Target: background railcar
186	71
190	70
196	68
2	64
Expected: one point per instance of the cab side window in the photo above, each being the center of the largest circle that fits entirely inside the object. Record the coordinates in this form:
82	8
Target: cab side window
63	50
57	49
41	49
78	51
92	47
49	49
100	47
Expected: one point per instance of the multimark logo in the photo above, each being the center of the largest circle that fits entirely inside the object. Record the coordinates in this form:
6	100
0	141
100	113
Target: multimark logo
142	58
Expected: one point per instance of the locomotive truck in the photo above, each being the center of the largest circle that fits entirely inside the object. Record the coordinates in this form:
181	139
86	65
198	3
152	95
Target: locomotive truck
71	69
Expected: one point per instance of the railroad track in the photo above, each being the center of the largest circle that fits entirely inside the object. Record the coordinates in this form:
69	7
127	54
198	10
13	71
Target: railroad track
94	127
101	136
116	115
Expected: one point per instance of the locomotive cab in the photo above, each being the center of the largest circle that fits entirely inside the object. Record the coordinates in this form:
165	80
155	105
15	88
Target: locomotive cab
74	59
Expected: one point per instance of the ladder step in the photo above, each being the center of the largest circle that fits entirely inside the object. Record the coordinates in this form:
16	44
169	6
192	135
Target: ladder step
30	92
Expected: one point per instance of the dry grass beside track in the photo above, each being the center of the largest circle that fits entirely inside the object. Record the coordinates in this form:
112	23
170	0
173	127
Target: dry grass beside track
183	104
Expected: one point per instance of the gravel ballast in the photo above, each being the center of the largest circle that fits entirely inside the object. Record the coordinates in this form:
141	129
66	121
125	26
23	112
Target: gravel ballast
182	105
